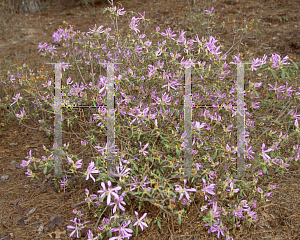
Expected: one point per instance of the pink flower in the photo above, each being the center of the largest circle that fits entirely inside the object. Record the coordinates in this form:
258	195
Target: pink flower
108	191
118	202
90	170
139	221
143	151
77	228
209	12
184	190
265	156
208	189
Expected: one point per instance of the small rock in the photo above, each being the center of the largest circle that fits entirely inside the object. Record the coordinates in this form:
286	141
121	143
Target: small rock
18	166
4	177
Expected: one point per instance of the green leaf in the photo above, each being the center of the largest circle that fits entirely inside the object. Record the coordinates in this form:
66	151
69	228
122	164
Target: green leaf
51	168
55	184
272	72
45	170
148	193
287	74
256	93
241	193
34	165
179	220
295	65
151	158
293	133
264	168
215	154
159	224
282	74
135	166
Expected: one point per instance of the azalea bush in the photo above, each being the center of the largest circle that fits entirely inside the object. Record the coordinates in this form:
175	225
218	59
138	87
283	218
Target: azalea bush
149	90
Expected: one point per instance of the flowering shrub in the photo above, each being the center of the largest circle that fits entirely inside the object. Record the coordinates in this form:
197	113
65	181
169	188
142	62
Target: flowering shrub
148	172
